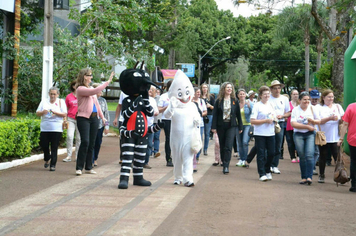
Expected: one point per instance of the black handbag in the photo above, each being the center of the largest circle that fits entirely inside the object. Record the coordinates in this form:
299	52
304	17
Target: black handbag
251	130
206	119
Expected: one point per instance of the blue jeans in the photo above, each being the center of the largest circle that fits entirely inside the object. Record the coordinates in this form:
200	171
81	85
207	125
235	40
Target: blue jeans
207	128
149	147
305	145
243	142
156	141
278	145
201	135
264	159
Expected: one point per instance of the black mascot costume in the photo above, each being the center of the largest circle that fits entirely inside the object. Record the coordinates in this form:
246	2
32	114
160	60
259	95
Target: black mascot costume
133	132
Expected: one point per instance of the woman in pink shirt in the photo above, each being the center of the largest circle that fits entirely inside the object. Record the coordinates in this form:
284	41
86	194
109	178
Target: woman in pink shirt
289	134
72	107
87	118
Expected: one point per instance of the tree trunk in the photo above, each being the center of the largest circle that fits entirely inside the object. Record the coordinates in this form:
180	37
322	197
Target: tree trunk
319	49
306	55
171	59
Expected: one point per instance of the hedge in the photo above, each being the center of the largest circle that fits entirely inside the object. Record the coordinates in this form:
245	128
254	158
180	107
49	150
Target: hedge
19	137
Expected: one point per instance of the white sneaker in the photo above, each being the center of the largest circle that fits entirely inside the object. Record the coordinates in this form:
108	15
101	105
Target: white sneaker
263	178
276	170
78	172
67	159
271	169
90	171
269	176
240	163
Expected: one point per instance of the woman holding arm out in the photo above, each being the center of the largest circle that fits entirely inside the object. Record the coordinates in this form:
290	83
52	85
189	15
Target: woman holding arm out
87	118
303	121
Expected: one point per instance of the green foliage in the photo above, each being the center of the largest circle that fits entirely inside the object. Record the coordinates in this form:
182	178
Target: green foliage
324	75
19	137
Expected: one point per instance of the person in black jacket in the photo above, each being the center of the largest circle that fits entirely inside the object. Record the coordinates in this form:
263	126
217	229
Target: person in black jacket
226	117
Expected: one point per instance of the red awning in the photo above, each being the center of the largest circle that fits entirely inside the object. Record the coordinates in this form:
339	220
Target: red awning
169	74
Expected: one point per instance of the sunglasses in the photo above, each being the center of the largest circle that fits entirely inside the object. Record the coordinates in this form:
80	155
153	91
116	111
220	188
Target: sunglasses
90	75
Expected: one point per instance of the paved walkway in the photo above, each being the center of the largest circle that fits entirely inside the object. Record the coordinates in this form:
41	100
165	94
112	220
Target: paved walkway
234	204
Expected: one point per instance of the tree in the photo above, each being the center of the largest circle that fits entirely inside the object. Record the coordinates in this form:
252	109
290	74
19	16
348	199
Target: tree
343	11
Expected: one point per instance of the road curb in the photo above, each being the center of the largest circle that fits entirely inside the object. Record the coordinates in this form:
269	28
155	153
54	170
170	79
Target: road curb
19	162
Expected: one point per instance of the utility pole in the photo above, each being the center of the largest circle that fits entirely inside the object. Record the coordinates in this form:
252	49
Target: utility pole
47	71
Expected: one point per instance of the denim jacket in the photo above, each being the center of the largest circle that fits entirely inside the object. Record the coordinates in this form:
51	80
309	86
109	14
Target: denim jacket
248	111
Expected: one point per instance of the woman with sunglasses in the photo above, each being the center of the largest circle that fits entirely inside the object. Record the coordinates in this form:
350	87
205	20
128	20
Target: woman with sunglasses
88	118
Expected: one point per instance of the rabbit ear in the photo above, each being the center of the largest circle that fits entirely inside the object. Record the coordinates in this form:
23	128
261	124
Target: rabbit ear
136	64
143	62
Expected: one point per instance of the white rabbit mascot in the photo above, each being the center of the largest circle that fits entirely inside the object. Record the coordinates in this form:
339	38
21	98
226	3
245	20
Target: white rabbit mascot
185	118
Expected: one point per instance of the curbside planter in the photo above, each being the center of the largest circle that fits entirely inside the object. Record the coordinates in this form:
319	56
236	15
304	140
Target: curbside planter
19	162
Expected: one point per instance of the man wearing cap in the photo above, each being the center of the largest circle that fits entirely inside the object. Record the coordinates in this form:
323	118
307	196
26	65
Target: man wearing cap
251	96
315	98
281	106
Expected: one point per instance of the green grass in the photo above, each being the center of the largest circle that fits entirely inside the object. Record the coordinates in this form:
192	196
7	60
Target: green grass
112	106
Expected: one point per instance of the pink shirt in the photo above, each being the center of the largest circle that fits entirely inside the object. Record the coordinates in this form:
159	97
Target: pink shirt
72	105
87	98
350	117
289	126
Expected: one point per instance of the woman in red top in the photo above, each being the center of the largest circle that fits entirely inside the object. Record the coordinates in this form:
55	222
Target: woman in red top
72	107
349	124
289	134
87	118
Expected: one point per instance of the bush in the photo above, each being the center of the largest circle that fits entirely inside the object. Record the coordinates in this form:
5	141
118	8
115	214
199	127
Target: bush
19	137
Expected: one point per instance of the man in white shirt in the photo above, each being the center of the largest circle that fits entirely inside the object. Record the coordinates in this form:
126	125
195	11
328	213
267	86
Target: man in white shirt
315	97
162	106
281	106
153	103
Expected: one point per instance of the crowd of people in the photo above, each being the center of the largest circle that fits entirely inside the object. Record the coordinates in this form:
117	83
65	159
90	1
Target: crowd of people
232	119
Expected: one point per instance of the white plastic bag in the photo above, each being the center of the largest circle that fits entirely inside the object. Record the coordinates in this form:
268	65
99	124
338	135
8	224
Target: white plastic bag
196	143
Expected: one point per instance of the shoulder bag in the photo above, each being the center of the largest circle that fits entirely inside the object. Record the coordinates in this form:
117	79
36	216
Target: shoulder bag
320	138
340	173
277	127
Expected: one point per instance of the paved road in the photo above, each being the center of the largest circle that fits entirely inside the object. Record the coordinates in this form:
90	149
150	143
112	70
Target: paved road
35	201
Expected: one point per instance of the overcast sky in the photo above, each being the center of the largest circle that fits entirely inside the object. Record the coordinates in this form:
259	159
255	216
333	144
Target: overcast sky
247	10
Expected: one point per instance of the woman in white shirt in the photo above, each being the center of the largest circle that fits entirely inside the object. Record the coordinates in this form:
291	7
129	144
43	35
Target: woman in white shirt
330	114
262	117
51	113
202	111
303	121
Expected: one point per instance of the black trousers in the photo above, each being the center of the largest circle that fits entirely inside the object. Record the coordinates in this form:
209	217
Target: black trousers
88	128
167	145
353	165
50	139
323	154
226	135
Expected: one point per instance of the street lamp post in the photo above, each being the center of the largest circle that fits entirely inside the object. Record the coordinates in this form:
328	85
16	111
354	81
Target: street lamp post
201	57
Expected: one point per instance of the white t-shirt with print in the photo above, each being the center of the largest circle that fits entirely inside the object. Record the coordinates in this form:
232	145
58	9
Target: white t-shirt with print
153	104
280	105
300	116
164	102
262	111
331	128
202	108
316	112
49	121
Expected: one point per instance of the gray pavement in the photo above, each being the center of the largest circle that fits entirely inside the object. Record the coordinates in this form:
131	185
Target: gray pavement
40	202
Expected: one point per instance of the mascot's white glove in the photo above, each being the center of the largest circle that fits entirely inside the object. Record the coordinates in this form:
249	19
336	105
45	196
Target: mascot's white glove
174	102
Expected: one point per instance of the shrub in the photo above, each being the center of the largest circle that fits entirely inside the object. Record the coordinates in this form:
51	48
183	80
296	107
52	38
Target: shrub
19	137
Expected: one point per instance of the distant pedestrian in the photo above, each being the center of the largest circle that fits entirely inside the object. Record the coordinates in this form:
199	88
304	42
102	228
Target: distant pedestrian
103	127
209	101
72	106
157	135
51	112
289	129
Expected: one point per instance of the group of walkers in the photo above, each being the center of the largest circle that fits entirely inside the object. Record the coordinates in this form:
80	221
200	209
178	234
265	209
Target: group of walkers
232	118
87	114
